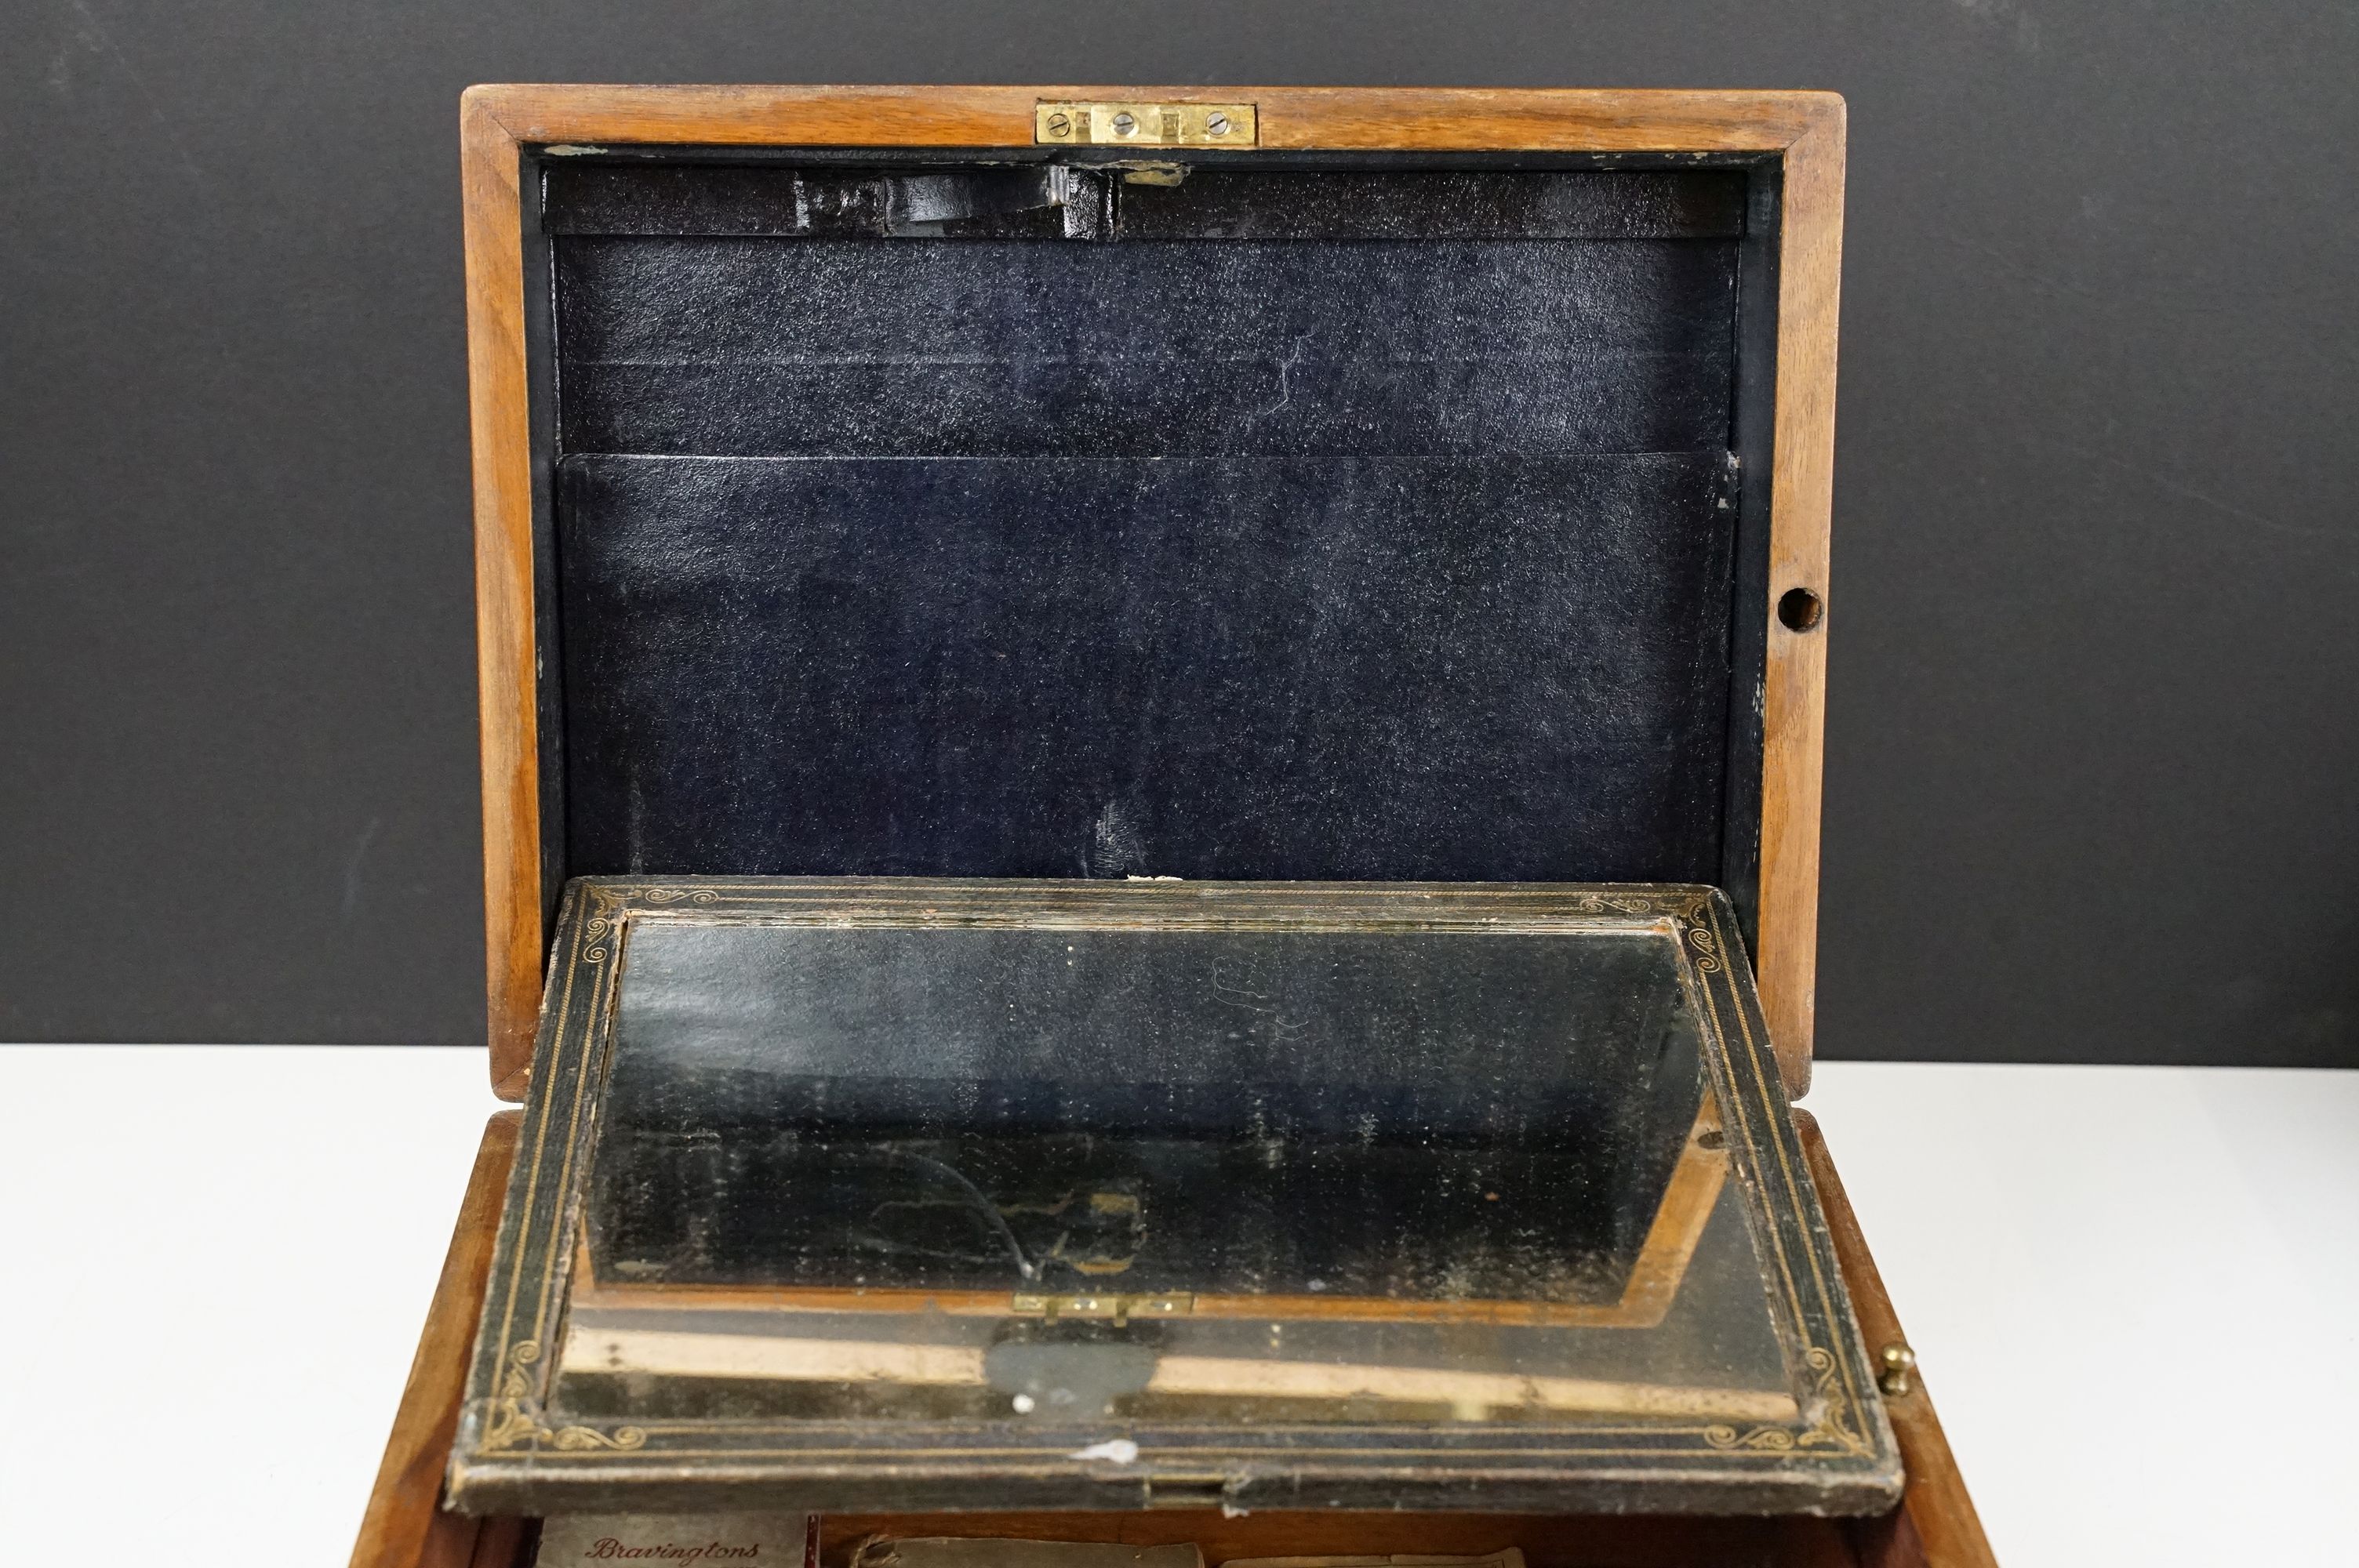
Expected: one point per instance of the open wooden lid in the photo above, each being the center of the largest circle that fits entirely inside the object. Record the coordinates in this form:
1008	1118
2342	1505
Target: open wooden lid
1435	488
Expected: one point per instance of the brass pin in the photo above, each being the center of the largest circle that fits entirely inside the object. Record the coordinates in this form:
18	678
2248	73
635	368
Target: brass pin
1899	1362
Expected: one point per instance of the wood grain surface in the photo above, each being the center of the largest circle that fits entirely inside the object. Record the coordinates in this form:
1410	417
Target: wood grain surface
508	690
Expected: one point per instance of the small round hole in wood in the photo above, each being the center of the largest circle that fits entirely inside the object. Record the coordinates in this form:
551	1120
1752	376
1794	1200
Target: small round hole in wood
1799	610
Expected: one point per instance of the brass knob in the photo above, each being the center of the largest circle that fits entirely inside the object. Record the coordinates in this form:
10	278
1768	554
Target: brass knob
1899	1362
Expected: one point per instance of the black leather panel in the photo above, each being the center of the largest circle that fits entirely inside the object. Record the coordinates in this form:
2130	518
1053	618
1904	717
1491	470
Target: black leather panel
1060	200
1043	201
1510	668
971	347
1465	204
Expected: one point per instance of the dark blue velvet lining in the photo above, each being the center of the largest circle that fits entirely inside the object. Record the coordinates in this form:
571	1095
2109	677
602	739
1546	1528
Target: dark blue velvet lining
1289	558
956	348
1332	667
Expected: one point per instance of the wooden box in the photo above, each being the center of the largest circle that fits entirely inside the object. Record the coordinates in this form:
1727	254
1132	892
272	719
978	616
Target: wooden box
1531	315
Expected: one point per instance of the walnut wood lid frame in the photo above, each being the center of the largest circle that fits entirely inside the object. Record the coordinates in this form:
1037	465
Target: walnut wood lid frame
504	126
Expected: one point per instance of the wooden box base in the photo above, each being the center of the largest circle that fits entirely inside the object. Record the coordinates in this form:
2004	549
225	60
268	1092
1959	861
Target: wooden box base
1935	1526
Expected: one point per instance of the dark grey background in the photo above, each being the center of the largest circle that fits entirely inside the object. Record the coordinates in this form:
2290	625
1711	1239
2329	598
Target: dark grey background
2091	737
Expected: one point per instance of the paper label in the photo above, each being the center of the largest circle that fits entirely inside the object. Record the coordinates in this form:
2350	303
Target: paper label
678	1541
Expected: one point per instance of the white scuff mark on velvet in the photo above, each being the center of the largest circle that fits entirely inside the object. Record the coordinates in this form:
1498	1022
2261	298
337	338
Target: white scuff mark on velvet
1115	843
1286	368
635	828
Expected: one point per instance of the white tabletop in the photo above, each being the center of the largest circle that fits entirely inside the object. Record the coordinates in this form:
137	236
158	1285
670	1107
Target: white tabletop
2135	1292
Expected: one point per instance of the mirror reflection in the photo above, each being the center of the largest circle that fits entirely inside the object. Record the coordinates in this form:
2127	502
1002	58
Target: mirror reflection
1272	1175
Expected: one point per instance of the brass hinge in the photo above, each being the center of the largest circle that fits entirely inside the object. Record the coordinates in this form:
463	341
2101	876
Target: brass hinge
1120	1308
1146	125
1188	1489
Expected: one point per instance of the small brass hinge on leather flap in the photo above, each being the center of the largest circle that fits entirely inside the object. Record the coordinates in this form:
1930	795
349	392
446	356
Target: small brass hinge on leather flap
1146	125
1187	1489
